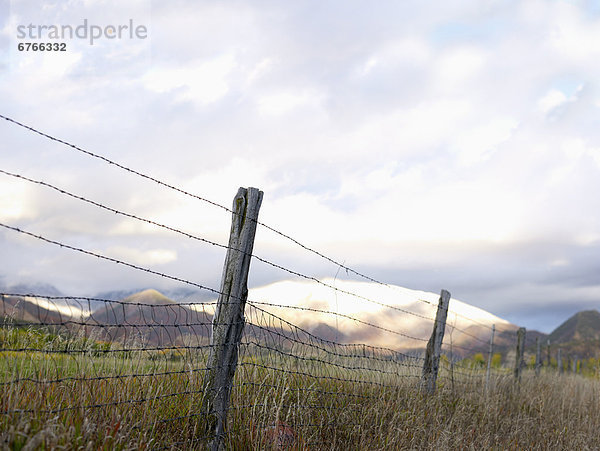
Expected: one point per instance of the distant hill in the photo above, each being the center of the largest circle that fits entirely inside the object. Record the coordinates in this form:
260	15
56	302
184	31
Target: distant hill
22	309
584	325
312	306
579	335
42	289
158	320
115	295
181	295
152	318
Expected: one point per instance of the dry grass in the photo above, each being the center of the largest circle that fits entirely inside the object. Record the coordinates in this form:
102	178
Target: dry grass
284	410
549	412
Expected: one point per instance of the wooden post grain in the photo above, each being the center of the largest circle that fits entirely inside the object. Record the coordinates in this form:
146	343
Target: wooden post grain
228	321
520	354
559	362
489	362
434	345
538	356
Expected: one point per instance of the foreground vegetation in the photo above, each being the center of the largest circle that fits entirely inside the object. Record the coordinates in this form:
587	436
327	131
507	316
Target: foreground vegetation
106	399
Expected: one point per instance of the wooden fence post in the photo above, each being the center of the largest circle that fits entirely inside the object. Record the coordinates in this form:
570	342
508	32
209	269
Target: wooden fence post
538	356
228	321
559	362
434	345
548	365
520	355
489	362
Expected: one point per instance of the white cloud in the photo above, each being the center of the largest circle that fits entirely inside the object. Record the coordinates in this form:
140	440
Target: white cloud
587	239
285	101
14	200
406	132
551	100
594	153
202	82
573	150
575	34
408	51
478	143
56	67
460	65
260	69
132	228
367	66
145	258
560	262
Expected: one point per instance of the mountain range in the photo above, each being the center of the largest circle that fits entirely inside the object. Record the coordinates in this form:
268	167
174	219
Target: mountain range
351	312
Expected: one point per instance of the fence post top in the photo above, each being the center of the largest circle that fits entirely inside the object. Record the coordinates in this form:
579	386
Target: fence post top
242	190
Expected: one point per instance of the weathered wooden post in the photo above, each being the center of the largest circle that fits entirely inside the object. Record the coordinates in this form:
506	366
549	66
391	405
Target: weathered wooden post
538	356
489	362
434	345
559	362
520	355
574	370
228	321
548	358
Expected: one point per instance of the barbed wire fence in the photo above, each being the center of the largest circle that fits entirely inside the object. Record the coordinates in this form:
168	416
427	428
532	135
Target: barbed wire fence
204	372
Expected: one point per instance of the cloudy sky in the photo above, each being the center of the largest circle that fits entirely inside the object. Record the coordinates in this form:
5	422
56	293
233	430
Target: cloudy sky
429	144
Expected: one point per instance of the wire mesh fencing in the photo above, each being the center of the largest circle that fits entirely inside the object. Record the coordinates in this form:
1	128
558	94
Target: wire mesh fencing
140	364
138	370
130	363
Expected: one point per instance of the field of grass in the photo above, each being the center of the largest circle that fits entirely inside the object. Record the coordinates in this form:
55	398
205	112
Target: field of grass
152	400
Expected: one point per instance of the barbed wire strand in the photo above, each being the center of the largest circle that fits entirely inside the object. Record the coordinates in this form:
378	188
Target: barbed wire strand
178	279
179	324
172	187
207	241
104	300
110	259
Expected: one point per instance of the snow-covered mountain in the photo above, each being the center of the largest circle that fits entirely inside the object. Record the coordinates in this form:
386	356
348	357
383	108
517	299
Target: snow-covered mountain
403	317
339	310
